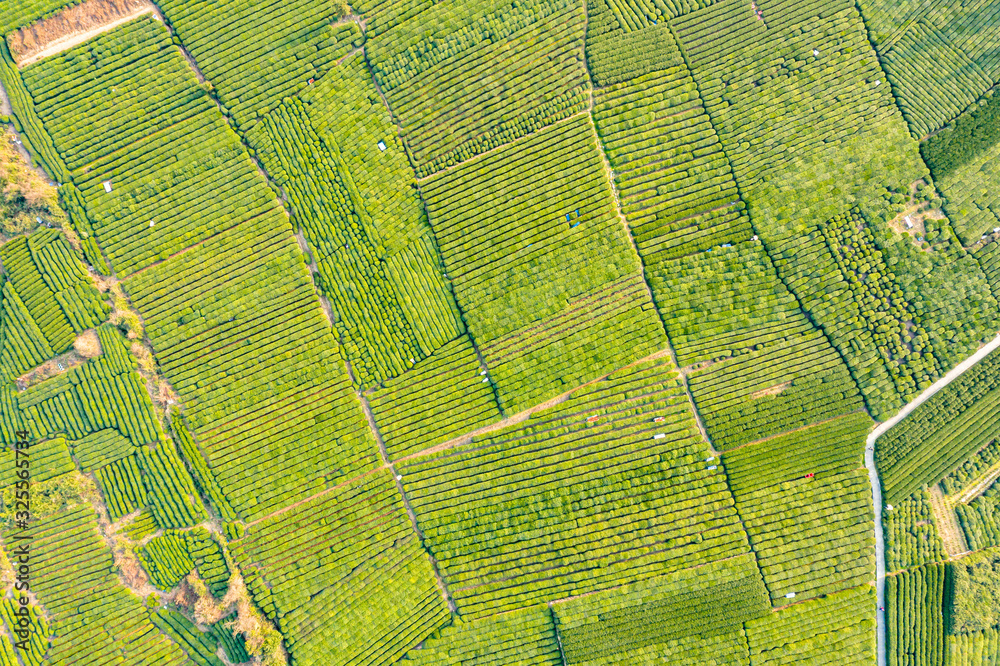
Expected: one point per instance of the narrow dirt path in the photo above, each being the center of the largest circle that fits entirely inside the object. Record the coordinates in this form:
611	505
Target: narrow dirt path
75	39
947	524
877	487
978	488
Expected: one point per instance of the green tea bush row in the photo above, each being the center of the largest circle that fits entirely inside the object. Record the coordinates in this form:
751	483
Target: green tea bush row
13	17
800	104
122	487
966	137
157	139
143	525
914	616
594	334
978	648
674	181
442	397
39	636
941	433
910	532
723	302
445	110
783	385
102	81
972	469
586	488
933	80
367	601
200	647
812	535
76	571
248	284
165	558
27	279
293	43
706	601
524	637
822	449
172	495
203	475
378	338
617	53
34	136
518	257
100	448
206	553
836	629
970	195
24	346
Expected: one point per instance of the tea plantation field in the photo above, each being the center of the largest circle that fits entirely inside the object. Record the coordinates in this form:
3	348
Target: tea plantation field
497	332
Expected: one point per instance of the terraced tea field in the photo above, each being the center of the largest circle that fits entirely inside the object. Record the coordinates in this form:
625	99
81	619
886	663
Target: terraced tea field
551	332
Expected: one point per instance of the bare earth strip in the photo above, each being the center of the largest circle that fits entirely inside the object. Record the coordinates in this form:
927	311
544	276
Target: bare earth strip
73	27
947	524
980	487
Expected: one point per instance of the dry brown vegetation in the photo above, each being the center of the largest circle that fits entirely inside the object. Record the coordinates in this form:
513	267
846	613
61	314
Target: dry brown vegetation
31	41
25	196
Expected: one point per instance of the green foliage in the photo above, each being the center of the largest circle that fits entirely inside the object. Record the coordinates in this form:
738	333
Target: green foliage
972	469
836	629
971	198
526	637
166	559
463	78
674	182
915	616
911	535
979	648
141	526
615	55
767	92
172	495
39	631
372	297
206	553
930	96
707	601
34	135
101	448
724	302
966	137
24	346
122	486
805	502
623	453
442	397
975	604
232	643
292	43
941	433
200	646
779	385
352	593
68	545
203	475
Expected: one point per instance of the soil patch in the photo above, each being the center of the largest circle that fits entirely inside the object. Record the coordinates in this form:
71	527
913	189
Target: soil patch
771	390
71	27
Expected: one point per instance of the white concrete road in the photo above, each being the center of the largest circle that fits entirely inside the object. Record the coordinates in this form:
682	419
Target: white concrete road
877	487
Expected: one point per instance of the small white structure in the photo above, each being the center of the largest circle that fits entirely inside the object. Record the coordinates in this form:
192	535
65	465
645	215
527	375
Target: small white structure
659	435
907	223
996	230
107	186
152	223
485	379
888	507
381	146
711	467
816	53
754	237
878	82
790	595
